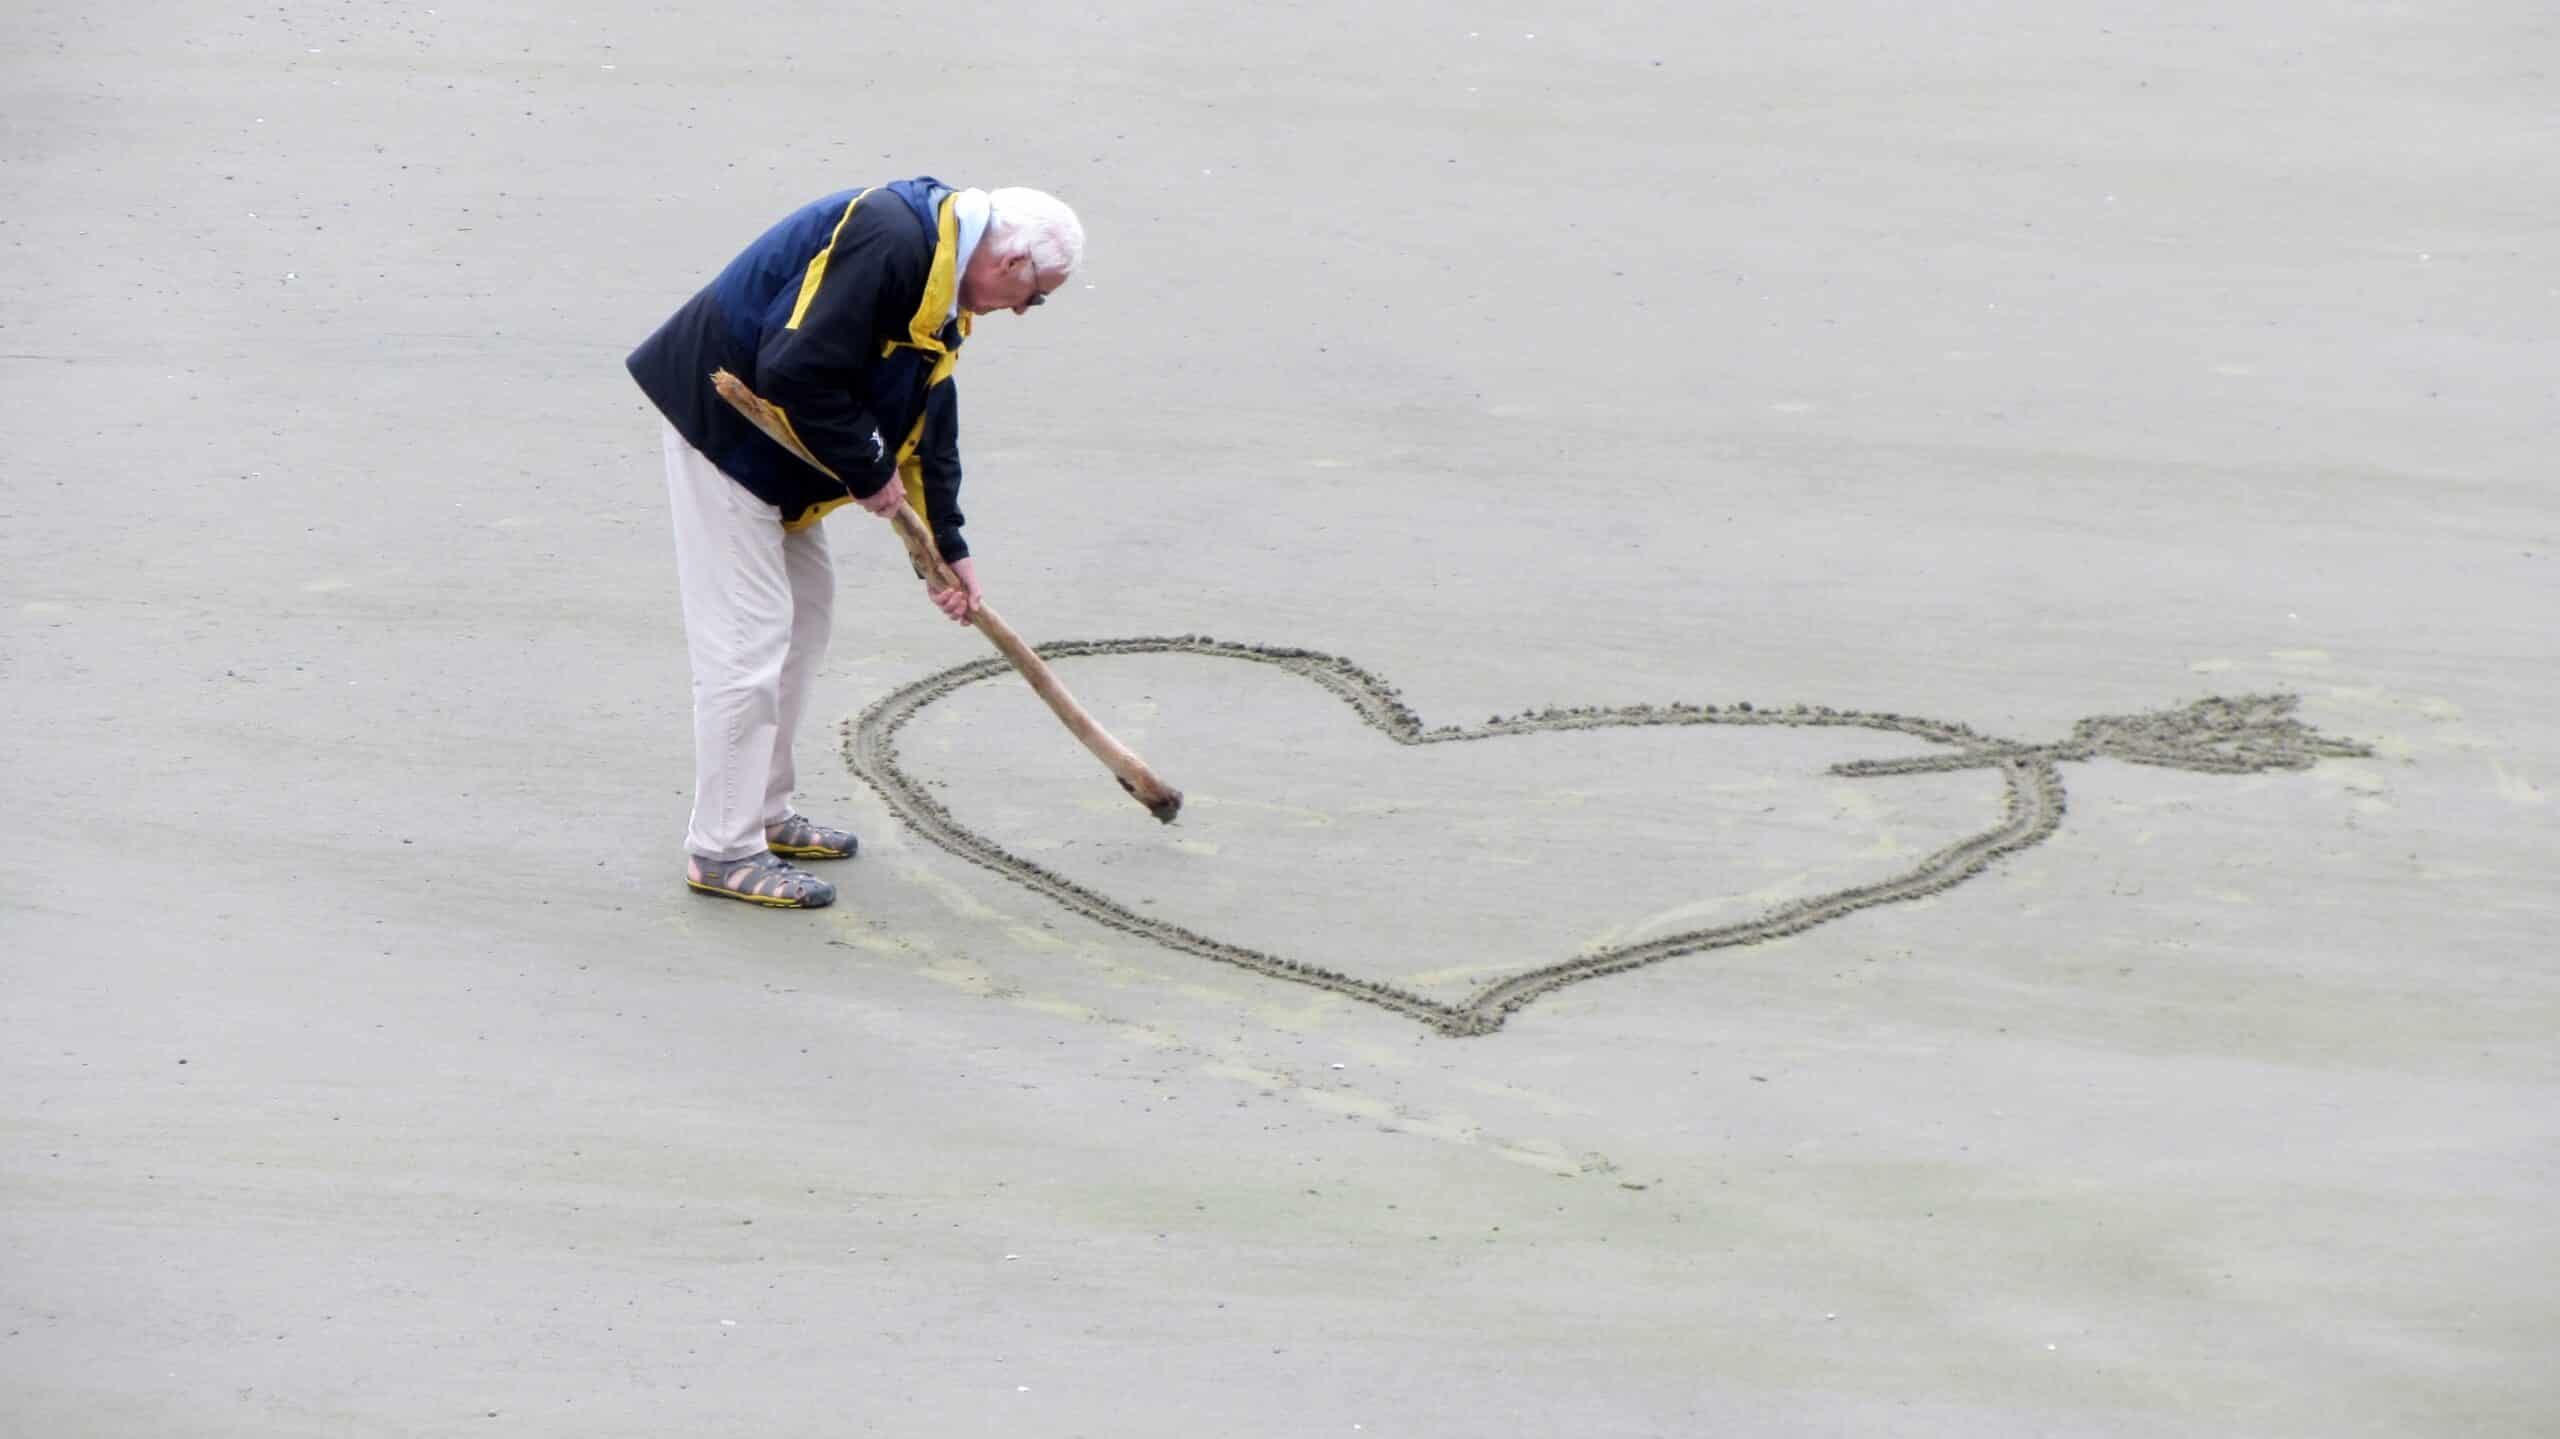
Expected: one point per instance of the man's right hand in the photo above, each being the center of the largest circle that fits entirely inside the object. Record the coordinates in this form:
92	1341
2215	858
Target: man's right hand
884	501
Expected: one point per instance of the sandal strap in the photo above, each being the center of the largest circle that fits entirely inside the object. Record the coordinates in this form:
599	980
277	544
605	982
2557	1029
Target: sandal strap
765	875
800	830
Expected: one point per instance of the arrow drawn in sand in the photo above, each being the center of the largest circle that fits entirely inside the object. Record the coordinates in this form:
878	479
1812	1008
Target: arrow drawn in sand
2243	734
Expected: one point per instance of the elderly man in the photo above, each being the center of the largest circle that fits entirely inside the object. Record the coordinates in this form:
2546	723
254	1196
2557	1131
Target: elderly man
847	317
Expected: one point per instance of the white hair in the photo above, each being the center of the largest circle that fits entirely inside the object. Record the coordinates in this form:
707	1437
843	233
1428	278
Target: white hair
1036	223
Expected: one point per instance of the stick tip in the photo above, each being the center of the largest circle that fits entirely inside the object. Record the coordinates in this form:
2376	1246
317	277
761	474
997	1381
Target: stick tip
1162	800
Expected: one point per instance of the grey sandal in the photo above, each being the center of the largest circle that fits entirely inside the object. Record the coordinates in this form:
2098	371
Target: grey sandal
760	878
804	838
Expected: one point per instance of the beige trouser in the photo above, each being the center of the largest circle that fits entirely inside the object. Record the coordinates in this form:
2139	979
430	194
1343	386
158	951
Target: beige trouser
757	604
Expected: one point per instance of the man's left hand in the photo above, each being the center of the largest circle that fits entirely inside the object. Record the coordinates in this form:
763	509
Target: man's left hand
963	602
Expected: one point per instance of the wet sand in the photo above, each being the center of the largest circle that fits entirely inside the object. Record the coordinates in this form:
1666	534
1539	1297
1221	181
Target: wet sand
368	1070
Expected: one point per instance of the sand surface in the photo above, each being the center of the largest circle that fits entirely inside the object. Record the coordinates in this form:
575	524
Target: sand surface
367	1070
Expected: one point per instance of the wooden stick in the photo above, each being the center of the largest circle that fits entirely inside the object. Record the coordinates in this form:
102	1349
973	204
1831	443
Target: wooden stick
1162	800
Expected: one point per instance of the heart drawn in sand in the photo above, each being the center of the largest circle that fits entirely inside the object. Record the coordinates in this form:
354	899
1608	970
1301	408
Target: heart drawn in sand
2234	735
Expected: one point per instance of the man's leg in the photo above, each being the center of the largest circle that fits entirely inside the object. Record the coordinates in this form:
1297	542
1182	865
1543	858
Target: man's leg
737	627
812	579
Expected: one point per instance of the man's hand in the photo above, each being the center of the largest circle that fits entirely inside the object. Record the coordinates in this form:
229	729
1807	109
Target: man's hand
964	601
884	501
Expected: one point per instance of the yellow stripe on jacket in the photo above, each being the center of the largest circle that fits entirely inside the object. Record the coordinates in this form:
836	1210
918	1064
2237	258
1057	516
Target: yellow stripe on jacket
816	274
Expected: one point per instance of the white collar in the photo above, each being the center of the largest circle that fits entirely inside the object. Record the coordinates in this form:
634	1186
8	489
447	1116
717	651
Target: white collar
969	210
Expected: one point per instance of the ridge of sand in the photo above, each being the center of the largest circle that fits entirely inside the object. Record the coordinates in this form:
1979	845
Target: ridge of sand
2224	735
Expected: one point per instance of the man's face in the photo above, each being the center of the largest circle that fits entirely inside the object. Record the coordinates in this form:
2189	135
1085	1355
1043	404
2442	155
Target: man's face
1004	282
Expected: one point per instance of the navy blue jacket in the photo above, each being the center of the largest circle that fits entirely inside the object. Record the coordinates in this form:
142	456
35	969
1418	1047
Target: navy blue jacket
837	317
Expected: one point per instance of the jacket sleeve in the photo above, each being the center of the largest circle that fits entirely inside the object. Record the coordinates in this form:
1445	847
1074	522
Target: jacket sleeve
813	367
938	451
